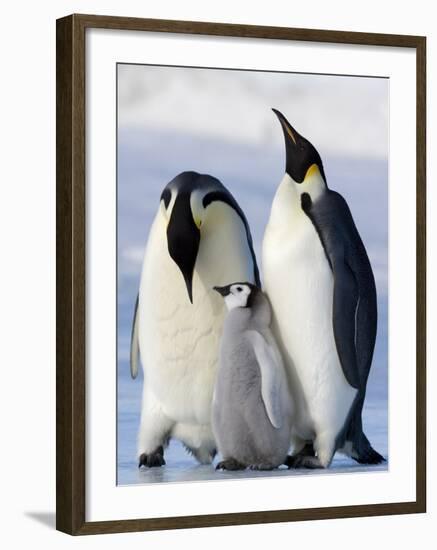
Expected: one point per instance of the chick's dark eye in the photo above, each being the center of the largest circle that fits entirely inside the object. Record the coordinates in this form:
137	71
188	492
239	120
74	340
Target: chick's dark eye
239	288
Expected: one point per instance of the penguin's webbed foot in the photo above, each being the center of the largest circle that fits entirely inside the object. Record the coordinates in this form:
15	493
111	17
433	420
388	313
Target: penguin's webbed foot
230	464
369	456
262	467
307	450
303	461
152	460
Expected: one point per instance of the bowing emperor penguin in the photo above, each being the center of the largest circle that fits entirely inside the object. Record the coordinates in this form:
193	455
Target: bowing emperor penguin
252	407
319	280
199	238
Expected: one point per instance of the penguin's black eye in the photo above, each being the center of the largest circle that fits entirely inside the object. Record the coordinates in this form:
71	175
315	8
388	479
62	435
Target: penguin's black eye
239	288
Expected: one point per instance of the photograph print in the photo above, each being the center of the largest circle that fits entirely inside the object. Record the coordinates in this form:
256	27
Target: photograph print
252	274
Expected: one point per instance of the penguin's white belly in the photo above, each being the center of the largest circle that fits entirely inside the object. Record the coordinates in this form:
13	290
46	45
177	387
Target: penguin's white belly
179	341
299	283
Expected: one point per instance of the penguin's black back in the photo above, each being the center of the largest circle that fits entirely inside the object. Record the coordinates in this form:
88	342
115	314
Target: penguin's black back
355	317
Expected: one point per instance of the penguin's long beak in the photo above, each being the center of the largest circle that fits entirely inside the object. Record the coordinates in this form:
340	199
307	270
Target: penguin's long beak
293	149
300	154
290	134
183	238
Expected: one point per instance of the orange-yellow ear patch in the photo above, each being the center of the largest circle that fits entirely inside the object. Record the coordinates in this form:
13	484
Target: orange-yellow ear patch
313	170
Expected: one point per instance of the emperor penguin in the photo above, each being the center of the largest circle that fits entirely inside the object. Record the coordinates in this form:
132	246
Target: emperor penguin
252	407
320	283
199	238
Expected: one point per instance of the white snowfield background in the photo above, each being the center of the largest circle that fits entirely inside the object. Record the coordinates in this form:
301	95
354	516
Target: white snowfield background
220	122
27	220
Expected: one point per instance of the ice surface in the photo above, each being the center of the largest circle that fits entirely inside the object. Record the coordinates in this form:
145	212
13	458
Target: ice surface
180	466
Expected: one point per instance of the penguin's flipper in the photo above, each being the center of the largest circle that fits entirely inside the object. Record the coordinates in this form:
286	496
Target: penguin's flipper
271	376
345	305
354	303
134	346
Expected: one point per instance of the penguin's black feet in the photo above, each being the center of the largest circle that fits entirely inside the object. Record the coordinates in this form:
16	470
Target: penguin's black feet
262	467
300	459
303	461
368	456
230	464
152	460
307	450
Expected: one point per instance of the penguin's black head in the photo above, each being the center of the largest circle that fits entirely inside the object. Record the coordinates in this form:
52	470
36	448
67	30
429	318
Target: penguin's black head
194	205
183	238
302	157
238	294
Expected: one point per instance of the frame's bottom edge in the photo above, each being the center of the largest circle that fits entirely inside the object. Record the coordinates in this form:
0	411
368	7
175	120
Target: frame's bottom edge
247	518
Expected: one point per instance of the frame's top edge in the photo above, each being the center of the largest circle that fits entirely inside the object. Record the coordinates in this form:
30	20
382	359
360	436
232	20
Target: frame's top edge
245	31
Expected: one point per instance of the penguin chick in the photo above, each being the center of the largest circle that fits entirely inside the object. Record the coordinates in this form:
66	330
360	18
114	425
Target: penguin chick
252	407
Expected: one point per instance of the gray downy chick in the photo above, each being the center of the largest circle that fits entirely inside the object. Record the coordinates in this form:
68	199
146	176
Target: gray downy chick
252	407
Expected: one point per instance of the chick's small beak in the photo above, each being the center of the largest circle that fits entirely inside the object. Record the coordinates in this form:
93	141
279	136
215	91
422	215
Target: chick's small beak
222	290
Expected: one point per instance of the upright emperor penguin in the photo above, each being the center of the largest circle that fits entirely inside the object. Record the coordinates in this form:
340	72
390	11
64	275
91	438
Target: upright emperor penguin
319	280
199	238
252	407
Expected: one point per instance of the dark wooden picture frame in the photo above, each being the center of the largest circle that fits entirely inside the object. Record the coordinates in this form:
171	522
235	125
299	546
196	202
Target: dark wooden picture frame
71	254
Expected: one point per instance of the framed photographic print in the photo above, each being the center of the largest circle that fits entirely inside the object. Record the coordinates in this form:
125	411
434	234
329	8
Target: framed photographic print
240	274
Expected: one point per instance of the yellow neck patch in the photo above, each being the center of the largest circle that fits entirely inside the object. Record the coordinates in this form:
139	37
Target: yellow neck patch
313	170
